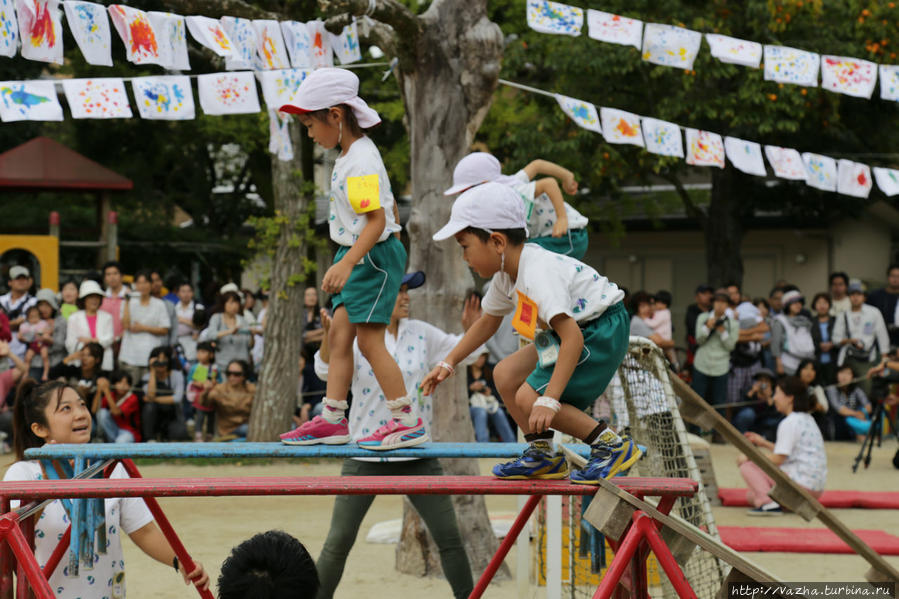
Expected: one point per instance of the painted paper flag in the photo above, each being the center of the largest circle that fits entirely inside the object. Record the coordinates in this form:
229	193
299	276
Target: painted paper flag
850	76
40	28
242	34
321	44
735	51
615	29
582	113
164	98
554	17
298	42
97	98
9	29
704	148
620	127
29	101
279	135
786	162
789	65
854	179
136	31
889	82
211	34
662	137
670	46
90	28
278	87
346	45
171	32
228	93
820	171
887	180
270	50
745	155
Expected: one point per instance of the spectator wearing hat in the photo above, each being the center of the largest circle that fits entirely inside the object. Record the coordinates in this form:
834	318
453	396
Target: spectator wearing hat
90	324
146	325
861	334
56	340
702	303
762	417
114	300
716	334
16	303
886	300
791	335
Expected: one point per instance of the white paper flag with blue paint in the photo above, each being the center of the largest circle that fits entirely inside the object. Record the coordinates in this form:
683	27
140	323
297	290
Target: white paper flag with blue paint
279	142
9	29
662	137
887	180
167	98
854	179
89	25
582	113
735	51
554	17
279	87
889	82
620	127
670	46
746	156
346	45
171	31
820	171
298	42
29	101
614	29
243	35
790	65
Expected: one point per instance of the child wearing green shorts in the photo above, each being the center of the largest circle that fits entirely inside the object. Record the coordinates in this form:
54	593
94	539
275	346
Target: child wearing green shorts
579	326
368	268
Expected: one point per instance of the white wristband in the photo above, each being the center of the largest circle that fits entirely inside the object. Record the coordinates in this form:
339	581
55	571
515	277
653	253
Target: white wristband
446	366
548	402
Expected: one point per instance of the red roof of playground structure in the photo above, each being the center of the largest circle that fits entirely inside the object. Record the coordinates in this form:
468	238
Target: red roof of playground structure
46	164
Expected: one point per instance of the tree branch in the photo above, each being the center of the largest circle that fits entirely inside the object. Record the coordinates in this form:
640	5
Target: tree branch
390	12
693	211
371	31
218	8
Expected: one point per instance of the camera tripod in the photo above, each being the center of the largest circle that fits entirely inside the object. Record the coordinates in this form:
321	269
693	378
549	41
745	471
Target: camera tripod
874	433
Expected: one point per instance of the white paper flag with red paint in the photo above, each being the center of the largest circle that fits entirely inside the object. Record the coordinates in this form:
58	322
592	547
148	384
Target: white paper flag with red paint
171	31
662	137
320	51
746	156
704	148
849	76
270	50
786	162
228	93
887	180
582	113
40	28
854	179
670	46
615	29
210	33
735	51
820	171
620	127
97	98
137	33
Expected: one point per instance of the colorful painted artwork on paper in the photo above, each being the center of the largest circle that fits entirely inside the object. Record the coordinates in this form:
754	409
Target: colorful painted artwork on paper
746	156
270	51
9	29
705	148
614	29
321	44
164	98
346	45
582	113
786	162
228	93
789	65
242	34
29	101
554	17
620	127
820	171
854	179
136	31
850	76
670	46
887	180
662	137
279	142
97	98
90	28
279	87
211	34
40	28
298	42
735	51
171	32
889	82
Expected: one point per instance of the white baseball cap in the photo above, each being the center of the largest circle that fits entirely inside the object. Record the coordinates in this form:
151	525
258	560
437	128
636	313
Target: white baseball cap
477	168
329	87
490	206
19	271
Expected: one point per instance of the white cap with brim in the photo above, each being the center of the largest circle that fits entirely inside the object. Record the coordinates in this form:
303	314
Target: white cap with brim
490	206
329	87
477	168
89	287
19	271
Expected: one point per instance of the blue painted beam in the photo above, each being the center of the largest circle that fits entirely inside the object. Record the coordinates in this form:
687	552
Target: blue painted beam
279	450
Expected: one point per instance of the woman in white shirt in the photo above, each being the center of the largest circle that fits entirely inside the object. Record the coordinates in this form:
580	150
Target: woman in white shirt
90	324
798	450
55	412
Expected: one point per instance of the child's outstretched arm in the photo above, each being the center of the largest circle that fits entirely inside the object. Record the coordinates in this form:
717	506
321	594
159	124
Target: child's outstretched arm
551	188
551	169
339	273
482	330
572	344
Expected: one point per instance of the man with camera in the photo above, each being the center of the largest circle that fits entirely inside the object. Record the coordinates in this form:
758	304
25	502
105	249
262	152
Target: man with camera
861	335
762	417
717	334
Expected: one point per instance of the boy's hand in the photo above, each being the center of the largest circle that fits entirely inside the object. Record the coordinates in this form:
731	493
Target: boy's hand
471	311
561	227
199	576
569	185
325	319
434	378
540	418
336	277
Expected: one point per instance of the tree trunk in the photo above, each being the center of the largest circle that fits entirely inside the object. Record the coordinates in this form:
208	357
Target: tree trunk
277	390
724	229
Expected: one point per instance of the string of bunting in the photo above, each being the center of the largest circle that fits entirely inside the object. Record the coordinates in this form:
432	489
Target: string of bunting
706	148
678	47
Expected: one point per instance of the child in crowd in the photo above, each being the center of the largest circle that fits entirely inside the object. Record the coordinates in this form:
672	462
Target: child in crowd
551	222
368	268
660	322
119	413
32	332
69	293
203	376
849	403
578	323
270	565
55	412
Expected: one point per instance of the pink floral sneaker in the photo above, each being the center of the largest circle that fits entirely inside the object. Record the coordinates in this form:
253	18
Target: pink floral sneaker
395	435
318	431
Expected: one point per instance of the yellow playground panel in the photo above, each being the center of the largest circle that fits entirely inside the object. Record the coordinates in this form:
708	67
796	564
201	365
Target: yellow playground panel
45	248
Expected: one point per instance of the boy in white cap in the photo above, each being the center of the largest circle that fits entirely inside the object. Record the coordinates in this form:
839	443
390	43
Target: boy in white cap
368	268
580	330
551	222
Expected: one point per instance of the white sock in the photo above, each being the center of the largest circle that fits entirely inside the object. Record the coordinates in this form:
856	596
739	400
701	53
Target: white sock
609	437
334	410
401	410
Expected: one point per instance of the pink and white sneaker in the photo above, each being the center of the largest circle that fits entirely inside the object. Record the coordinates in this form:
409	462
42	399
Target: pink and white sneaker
318	431
395	435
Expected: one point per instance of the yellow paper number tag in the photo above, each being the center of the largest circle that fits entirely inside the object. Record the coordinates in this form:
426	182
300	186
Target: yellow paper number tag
525	320
364	193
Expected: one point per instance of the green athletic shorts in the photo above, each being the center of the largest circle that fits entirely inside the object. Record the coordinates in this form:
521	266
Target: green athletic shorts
573	244
370	293
605	344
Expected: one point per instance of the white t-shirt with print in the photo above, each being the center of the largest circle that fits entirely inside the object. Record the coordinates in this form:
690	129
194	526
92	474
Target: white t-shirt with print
799	438
556	284
361	160
107	578
540	210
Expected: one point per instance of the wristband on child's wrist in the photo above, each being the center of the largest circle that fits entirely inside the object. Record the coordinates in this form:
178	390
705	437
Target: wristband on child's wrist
446	366
548	402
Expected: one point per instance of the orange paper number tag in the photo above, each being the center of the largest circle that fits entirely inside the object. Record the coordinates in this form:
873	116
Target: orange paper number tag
364	193
525	321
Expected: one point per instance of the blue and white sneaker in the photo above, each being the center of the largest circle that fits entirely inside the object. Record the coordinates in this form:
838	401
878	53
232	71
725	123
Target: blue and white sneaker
396	435
607	461
537	462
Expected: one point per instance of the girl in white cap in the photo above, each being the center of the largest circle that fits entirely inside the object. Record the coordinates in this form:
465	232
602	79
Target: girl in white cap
368	268
552	222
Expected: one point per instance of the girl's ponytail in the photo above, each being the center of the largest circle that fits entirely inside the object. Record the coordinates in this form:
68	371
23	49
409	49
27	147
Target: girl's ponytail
32	399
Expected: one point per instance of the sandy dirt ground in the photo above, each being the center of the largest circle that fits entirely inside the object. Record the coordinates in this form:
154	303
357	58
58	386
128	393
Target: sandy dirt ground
210	527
